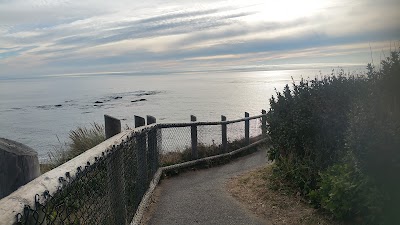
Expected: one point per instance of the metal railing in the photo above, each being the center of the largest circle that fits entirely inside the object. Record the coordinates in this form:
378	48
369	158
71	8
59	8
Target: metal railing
105	184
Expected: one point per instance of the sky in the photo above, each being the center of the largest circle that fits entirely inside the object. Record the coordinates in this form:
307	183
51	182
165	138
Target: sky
69	37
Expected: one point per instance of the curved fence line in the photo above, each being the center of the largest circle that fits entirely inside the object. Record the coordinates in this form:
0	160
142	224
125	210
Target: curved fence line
105	184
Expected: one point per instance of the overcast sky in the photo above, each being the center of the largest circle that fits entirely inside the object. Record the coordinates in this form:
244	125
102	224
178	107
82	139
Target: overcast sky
52	37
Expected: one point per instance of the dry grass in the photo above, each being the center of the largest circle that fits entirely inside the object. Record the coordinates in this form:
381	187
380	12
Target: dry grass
174	157
179	156
81	139
170	158
84	138
276	206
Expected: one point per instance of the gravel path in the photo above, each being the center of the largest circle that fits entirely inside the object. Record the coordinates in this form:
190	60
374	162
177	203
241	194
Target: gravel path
199	197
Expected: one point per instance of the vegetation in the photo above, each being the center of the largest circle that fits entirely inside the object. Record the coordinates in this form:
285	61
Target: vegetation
81	139
336	141
179	156
274	206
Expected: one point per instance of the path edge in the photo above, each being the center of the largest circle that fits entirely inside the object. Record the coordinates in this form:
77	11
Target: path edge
226	157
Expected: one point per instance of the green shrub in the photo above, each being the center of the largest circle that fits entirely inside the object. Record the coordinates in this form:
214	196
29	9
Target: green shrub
307	126
348	194
373	135
337	141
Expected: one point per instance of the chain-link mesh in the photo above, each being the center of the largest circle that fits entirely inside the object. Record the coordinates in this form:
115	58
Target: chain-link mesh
106	192
109	190
235	131
175	145
175	139
209	140
255	129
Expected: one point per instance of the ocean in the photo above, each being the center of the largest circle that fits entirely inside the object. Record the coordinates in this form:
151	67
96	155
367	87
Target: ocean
40	111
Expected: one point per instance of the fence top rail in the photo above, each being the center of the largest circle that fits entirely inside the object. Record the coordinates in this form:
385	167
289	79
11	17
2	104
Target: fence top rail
188	124
51	181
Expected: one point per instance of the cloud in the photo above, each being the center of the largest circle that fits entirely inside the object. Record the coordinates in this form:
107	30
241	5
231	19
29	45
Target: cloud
40	37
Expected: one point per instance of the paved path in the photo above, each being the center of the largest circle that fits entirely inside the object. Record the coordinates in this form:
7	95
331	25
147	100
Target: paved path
199	197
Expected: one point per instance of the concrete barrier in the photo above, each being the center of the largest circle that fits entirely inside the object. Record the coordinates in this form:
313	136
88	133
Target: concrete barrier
19	164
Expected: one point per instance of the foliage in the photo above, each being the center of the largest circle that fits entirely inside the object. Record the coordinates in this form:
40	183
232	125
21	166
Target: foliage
373	136
82	139
337	141
347	194
307	126
179	156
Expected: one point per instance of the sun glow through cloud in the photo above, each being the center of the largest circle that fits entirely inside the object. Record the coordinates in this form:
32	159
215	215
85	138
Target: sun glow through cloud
288	10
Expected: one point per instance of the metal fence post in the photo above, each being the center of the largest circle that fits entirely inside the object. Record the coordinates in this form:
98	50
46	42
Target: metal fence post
152	147
141	158
115	172
247	128
224	135
194	137
264	123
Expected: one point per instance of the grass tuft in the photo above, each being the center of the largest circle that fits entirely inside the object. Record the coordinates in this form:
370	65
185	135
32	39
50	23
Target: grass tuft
81	139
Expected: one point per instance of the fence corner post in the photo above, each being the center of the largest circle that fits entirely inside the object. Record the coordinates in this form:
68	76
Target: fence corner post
264	123
152	147
247	128
194	137
224	134
115	170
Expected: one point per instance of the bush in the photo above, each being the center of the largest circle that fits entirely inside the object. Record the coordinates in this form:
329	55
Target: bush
347	194
307	126
337	141
373	135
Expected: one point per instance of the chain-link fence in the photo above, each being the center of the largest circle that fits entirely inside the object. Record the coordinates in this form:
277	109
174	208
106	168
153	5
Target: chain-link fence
107	191
188	141
105	185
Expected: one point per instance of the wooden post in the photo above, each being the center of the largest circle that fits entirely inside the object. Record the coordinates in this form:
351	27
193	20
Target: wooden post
139	121
115	172
152	148
151	120
141	158
19	164
194	138
224	135
264	123
247	129
112	126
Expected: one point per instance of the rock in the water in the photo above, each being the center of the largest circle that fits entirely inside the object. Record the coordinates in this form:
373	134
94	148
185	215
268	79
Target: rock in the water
118	97
139	100
98	102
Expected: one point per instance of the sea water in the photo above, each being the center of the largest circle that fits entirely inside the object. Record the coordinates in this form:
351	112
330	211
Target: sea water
40	111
